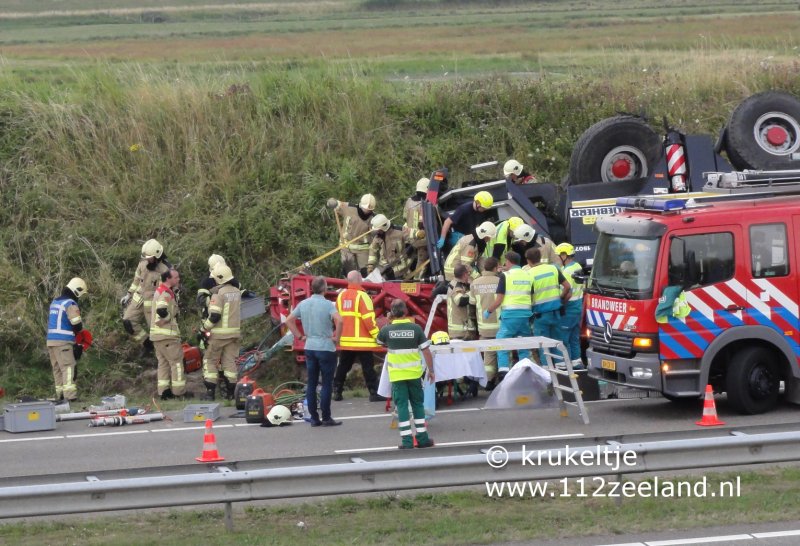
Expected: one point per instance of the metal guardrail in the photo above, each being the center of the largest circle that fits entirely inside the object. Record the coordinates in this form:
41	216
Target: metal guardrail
220	484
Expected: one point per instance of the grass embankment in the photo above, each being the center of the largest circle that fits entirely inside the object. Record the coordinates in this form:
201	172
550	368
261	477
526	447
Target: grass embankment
238	159
467	517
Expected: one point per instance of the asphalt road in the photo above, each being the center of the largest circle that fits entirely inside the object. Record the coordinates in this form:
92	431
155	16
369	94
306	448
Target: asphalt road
74	447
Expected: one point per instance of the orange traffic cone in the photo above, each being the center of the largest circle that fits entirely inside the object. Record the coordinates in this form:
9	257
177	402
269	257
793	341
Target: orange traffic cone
210	453
709	410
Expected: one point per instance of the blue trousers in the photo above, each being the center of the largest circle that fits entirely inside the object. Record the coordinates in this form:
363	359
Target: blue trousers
320	363
512	327
547	324
570	328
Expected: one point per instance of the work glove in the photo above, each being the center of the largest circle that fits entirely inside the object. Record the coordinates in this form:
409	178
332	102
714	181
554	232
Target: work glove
332	203
77	351
125	299
440	243
486	314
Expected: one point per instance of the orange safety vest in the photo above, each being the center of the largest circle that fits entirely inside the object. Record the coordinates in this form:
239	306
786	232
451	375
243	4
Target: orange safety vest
358	320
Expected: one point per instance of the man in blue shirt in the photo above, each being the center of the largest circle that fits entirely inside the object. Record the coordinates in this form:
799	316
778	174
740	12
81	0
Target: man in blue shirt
323	327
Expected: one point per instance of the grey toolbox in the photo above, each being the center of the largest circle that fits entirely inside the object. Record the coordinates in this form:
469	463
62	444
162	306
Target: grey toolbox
30	416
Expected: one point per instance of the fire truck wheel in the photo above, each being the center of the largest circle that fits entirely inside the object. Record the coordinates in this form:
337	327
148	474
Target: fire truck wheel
613	150
753	381
764	131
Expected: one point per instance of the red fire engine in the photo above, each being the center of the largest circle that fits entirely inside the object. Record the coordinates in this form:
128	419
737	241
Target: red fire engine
705	290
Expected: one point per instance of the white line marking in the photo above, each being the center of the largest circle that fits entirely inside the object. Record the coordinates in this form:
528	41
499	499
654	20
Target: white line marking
469	442
776	534
248	425
177	429
699	540
624	544
99	434
32	439
389	414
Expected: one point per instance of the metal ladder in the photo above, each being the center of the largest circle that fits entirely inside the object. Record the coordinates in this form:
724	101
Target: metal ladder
552	356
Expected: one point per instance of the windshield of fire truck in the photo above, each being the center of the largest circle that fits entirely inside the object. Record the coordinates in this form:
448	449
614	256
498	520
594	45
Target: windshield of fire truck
624	266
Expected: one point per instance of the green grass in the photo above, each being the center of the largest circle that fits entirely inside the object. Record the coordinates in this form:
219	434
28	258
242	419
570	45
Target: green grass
466	517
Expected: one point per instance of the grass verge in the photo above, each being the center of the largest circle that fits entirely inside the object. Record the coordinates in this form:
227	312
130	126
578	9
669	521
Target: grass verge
463	517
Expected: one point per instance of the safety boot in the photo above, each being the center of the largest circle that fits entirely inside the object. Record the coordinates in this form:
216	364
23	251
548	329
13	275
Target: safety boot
374	396
211	391
227	388
167	395
337	392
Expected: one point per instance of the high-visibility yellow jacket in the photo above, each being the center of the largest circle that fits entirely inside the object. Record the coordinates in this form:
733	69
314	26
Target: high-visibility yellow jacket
358	320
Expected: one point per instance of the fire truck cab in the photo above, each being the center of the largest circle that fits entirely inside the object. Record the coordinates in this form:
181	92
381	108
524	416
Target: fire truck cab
689	292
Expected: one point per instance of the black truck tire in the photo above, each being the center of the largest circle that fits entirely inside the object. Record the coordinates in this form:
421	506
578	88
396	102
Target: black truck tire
614	149
764	131
753	381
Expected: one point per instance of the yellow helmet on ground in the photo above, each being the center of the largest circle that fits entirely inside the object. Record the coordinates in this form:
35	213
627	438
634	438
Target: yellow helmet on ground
565	248
440	338
484	199
367	202
422	185
78	286
380	222
152	249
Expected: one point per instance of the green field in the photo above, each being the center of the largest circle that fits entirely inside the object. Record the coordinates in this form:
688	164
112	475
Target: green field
225	127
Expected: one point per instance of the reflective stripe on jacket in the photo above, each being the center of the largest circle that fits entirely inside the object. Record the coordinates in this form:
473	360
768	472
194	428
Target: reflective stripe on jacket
358	320
577	288
164	298
518	289
226	302
546	290
59	327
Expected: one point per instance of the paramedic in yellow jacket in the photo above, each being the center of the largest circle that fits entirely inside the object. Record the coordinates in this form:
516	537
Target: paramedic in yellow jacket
468	249
139	299
387	252
224	324
357	218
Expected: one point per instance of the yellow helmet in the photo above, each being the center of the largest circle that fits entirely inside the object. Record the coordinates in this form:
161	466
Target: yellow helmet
222	273
484	199
380	222
486	229
422	185
214	260
78	286
565	248
367	202
524	233
152	249
512	166
440	338
514	222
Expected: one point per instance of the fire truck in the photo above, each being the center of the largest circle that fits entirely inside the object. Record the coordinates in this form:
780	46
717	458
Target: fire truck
686	292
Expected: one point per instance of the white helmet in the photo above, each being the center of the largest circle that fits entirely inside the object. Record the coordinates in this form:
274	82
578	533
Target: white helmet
524	233
222	273
279	415
512	166
422	185
367	202
380	222
78	286
214	260
486	229
152	249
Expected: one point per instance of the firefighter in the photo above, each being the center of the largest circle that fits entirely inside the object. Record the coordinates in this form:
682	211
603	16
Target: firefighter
481	294
139	299
551	291
358	336
503	238
207	285
514	298
459	323
414	227
468	249
387	252
466	218
571	312
514	172
524	237
406	346
223	323
356	226
64	321
167	338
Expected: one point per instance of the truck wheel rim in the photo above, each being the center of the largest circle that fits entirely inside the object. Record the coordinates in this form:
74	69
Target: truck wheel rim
623	163
761	382
777	133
